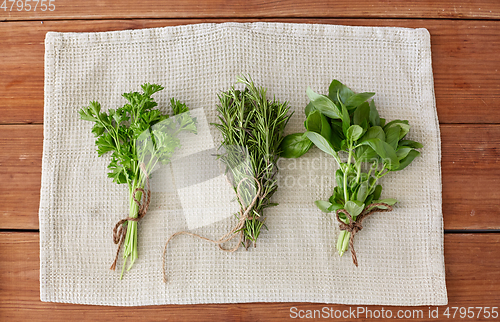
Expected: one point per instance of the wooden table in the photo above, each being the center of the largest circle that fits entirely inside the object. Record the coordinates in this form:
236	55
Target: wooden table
466	58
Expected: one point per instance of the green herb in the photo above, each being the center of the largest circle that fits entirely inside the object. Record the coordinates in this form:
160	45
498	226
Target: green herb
343	121
138	136
252	128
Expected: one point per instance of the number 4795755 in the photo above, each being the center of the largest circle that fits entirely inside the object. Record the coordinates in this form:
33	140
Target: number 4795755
470	312
28	5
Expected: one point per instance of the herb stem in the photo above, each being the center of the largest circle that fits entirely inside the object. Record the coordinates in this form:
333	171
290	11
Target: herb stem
347	169
358	166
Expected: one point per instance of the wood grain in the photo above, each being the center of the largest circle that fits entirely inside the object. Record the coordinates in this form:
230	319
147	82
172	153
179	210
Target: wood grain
472	274
464	53
470	169
449	9
20	171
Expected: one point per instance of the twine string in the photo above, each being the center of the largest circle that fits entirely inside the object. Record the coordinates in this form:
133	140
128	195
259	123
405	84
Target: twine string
244	215
120	229
356	225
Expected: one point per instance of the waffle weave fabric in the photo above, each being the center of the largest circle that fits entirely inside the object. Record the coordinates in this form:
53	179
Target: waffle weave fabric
400	253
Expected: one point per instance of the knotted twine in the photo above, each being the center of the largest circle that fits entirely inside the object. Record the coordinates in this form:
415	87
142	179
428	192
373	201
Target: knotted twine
120	229
355	225
236	231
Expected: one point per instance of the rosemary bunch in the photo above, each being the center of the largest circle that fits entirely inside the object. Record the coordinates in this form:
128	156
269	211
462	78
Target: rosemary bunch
252	128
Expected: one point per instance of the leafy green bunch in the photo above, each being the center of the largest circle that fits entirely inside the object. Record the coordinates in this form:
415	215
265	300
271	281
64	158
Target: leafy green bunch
345	124
252	128
138	136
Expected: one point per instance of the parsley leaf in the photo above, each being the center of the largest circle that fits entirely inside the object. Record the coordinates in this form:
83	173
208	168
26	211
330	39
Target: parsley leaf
136	134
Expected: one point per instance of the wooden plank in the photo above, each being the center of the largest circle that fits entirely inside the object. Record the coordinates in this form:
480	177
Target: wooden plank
20	169
470	168
472	277
108	9
465	61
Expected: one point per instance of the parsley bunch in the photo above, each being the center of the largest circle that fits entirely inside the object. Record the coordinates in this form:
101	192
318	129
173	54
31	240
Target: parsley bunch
252	128
343	121
138	136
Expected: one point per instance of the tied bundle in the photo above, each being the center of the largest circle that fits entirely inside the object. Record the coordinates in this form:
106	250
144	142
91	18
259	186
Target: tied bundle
138	136
344	124
252	129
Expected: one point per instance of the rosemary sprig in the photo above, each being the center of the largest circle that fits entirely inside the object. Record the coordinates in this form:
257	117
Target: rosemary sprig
252	128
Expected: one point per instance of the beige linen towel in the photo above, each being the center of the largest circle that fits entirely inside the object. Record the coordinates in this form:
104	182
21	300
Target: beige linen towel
400	253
